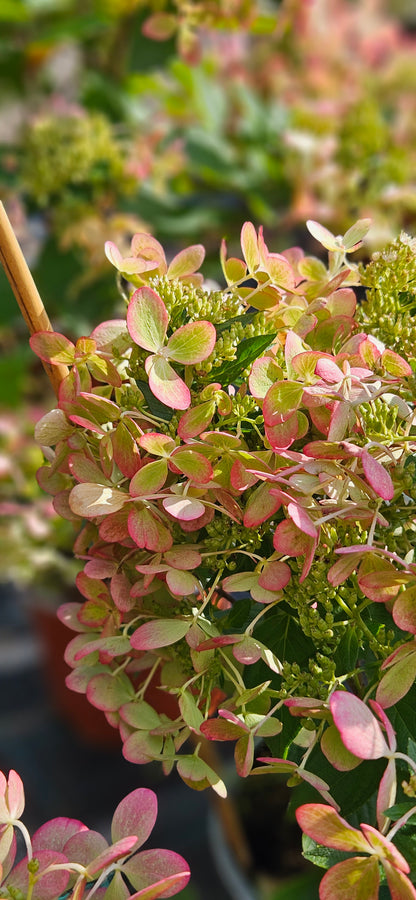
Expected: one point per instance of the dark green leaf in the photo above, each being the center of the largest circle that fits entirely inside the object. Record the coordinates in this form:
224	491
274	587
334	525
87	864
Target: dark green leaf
247	319
156	408
347	652
400	809
247	351
324	857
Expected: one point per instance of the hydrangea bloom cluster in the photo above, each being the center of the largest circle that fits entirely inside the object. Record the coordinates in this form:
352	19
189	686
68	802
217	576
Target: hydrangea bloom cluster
243	485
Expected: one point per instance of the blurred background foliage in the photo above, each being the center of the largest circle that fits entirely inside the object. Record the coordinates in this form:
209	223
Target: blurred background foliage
184	118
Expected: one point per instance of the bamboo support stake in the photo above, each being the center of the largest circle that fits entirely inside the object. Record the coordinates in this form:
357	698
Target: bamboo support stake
26	292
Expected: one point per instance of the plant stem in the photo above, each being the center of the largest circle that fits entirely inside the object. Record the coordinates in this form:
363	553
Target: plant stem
26	292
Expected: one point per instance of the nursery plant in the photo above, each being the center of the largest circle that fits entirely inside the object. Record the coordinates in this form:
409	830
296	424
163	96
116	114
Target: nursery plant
65	859
241	464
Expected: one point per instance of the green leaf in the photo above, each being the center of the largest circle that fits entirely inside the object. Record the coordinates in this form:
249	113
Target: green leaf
158	409
400	809
324	857
247	351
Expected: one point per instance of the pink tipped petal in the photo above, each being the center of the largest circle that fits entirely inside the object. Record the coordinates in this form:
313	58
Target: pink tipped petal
155	868
182	584
121	848
400	886
323	235
92	500
191	343
395	364
281	401
157	444
336	752
359	729
275	576
149	479
261	505
53	347
397	681
404	610
147	319
324	825
196	420
302	519
159	633
147	531
244	755
249	246
247	651
353	879
55	834
15	795
221	730
166	384
386	796
184	508
329	371
384	848
186	262
385	721
192	464
377	476
264	372
113	254
48	886
282	435
240	581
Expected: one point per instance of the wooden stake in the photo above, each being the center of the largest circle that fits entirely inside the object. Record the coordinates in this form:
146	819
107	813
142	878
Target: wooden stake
26	292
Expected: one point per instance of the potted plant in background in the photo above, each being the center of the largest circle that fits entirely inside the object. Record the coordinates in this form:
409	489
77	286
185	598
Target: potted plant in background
253	440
